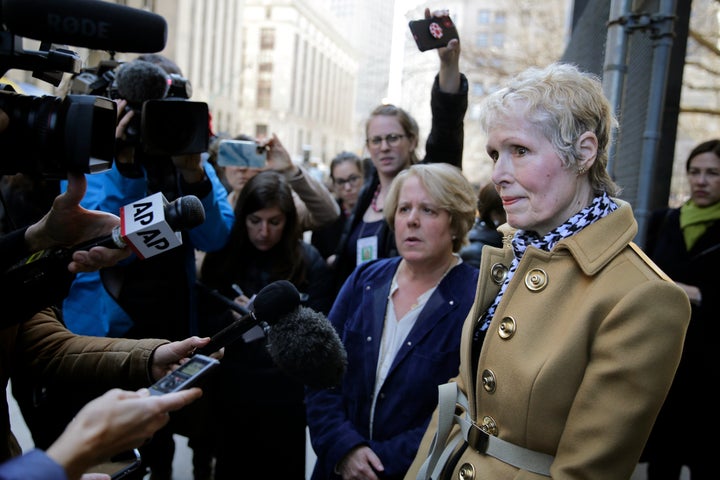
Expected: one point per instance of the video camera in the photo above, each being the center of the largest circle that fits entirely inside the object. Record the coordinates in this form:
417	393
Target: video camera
164	122
50	136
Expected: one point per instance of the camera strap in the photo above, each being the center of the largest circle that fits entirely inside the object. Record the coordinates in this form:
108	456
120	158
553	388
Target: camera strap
450	397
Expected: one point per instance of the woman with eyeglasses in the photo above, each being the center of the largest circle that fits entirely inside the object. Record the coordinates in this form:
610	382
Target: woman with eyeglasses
391	140
347	177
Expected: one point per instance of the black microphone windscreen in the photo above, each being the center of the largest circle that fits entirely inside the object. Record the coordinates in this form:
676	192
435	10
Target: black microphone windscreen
93	24
138	81
275	300
305	346
185	213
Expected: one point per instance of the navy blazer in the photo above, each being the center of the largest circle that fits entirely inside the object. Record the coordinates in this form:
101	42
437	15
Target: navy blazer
339	418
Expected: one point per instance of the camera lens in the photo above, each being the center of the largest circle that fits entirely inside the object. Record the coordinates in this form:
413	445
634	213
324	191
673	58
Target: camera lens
50	136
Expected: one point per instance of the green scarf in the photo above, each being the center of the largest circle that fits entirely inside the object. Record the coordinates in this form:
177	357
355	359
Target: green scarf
695	220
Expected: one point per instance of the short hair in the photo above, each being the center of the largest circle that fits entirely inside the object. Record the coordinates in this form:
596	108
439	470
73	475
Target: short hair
489	201
448	187
705	147
563	103
407	122
343	157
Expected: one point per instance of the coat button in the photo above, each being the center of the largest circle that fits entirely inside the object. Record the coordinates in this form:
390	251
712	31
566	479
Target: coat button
489	426
466	472
507	328
498	272
536	279
488	380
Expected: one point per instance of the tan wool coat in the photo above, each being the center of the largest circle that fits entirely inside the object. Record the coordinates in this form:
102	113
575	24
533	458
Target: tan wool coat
581	352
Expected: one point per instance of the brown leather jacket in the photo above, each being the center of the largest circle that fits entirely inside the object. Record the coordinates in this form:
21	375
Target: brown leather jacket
44	348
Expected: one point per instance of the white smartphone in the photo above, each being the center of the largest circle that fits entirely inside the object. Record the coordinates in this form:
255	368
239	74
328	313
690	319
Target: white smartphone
241	153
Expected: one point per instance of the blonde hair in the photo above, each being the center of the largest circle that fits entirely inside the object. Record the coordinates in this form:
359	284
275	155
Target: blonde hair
562	102
448	187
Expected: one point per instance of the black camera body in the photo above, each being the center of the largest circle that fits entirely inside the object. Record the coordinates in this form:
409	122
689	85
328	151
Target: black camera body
164	121
51	136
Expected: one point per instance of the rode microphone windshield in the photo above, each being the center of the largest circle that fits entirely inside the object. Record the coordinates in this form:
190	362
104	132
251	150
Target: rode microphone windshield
93	24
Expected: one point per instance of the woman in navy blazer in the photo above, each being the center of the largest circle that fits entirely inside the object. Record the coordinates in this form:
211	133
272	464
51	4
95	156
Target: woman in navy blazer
400	320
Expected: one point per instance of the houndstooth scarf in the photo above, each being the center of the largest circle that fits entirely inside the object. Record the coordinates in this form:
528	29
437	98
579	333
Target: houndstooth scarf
600	207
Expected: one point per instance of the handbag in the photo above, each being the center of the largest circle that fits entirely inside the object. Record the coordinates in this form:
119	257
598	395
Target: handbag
449	398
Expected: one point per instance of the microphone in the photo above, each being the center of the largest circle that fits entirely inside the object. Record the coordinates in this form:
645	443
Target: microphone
92	24
301	341
273	301
182	213
305	345
139	81
147	226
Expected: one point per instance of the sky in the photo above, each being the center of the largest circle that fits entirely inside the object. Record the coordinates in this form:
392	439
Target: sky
396	57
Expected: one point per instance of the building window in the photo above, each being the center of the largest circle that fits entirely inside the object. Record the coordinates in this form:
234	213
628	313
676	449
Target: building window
498	40
261	131
481	40
478	89
267	38
264	92
500	17
483	17
265	67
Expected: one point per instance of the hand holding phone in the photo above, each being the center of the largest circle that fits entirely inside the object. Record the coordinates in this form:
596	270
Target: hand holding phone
433	32
241	153
185	376
121	466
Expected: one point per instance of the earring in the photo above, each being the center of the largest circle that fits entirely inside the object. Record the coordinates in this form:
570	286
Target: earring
581	170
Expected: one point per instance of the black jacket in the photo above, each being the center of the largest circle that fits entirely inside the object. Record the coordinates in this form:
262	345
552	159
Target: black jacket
697	373
481	234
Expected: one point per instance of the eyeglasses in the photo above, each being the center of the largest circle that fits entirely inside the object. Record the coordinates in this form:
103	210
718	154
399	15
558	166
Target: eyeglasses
352	180
392	140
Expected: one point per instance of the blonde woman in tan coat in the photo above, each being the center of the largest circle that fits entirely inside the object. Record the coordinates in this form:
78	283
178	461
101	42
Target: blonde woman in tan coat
574	337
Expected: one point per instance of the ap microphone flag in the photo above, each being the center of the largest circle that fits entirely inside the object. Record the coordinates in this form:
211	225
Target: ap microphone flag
143	226
151	225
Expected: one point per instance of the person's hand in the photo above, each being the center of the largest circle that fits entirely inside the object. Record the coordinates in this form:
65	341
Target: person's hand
97	258
278	158
67	224
449	75
190	167
169	356
96	476
125	153
115	422
360	464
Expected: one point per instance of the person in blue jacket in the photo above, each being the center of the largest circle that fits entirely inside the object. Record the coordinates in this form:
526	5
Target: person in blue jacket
400	320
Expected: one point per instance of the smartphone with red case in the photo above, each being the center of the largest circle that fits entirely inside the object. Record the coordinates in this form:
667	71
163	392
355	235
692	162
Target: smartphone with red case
434	32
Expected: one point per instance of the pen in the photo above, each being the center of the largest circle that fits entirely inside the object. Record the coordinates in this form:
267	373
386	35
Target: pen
237	289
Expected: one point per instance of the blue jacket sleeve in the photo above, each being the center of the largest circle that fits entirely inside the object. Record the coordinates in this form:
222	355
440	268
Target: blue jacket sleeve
213	233
107	191
332	433
34	465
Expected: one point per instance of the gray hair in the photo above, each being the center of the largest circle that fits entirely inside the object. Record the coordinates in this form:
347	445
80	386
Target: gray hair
563	103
